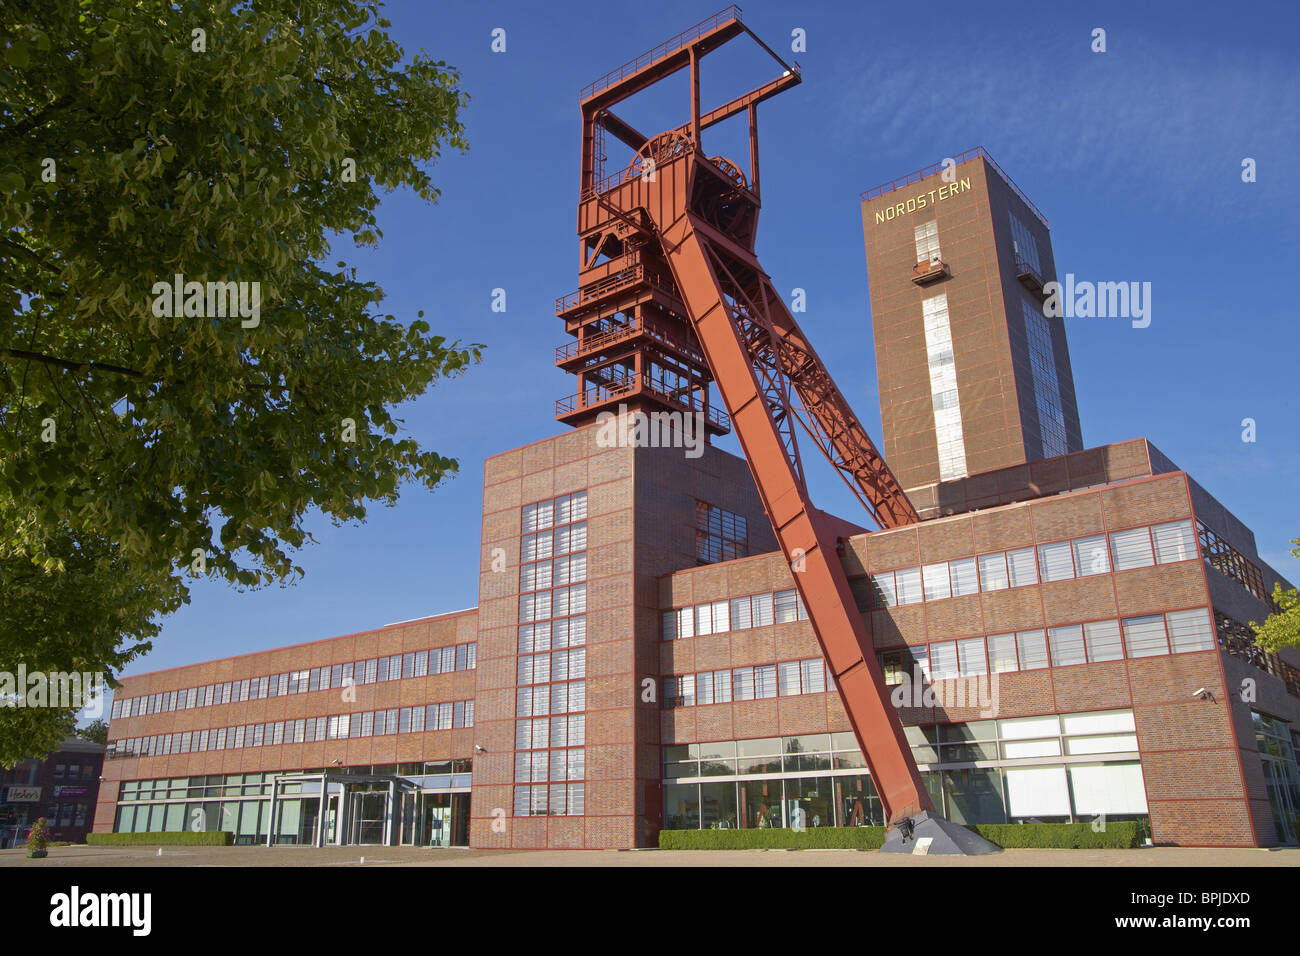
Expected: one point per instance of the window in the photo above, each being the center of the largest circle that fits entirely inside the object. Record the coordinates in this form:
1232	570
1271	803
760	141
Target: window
908	585
1131	549
1047	388
936	583
1190	630
1103	640
719	535
927	241
993	572
1091	556
1066	644
971	658
788	678
946	405
1145	636
1021	566
1032	646
1055	561
785	606
712	618
882	585
965	577
1023	243
943	661
1002	653
813	673
1175	541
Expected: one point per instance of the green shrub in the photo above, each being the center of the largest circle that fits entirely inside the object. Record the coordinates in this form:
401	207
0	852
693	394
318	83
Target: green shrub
775	838
1061	836
181	838
1064	836
38	840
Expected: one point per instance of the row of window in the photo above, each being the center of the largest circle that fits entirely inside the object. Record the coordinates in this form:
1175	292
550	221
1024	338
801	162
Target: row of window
550	729
548	544
553	573
201	787
558	511
1175	632
718	617
1058	561
720	535
444	660
559	602
570	698
376	723
555	666
786	679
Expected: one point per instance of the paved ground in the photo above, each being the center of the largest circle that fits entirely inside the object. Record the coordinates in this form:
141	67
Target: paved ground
83	856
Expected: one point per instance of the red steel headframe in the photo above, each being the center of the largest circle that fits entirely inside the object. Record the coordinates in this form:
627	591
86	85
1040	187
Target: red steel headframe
695	218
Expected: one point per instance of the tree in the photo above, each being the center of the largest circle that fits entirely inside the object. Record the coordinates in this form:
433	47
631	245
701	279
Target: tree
96	731
1281	628
145	442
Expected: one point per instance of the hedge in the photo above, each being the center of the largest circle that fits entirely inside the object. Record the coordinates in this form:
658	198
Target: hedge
1065	836
774	838
180	838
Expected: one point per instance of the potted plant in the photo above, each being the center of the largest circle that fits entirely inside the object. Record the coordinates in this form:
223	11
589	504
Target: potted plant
38	840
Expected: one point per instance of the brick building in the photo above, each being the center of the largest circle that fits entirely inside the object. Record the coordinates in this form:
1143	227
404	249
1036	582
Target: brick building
62	788
1063	632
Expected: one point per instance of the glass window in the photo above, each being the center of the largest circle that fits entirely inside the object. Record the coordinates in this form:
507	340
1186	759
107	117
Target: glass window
1103	640
765	681
1032	646
742	683
936	581
883	587
741	617
908	582
965	576
1002	653
1131	549
1091	556
943	660
1066	644
788	678
813	674
1145	636
786	607
1055	561
1190	630
762	609
1175	541
970	654
1021	566
993	572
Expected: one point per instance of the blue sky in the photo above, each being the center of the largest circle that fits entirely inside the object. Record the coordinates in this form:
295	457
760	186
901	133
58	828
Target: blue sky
1133	154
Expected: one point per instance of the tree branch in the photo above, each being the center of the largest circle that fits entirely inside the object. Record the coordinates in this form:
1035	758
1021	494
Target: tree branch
73	366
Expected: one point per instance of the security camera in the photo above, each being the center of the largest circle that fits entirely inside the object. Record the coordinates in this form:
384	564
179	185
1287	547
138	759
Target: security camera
1203	694
1199	693
480	748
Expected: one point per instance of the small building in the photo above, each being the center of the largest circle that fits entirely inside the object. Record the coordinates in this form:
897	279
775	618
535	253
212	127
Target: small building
63	788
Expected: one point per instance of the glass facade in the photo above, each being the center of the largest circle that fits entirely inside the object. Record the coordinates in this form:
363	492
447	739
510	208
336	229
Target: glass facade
551	688
1057	768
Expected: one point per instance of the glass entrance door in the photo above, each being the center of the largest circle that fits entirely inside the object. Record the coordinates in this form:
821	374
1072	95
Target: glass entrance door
368	817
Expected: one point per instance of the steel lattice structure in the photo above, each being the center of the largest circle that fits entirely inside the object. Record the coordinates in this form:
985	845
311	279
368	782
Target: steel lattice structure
671	298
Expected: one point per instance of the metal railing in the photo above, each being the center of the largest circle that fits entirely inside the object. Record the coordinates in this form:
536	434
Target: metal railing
634	328
662	50
918	175
612	283
599	394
